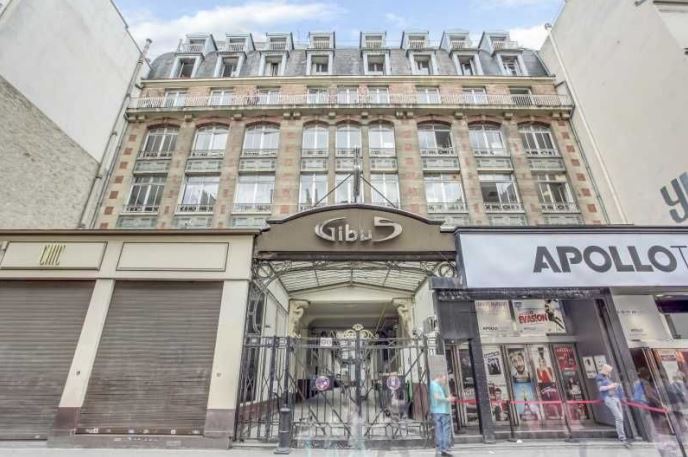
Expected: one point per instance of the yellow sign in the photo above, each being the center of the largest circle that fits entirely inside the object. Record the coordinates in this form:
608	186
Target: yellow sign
50	256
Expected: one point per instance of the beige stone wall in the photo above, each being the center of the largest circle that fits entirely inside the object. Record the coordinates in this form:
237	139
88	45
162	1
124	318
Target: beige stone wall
405	121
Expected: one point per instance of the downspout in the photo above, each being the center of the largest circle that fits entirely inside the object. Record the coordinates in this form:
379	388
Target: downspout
588	131
100	181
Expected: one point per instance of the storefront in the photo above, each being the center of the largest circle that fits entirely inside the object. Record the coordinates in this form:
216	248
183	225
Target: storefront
534	313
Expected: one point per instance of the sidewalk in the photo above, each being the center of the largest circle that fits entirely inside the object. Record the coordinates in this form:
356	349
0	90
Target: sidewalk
526	449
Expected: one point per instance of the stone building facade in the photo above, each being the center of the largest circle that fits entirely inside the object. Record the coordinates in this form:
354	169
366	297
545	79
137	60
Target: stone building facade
229	134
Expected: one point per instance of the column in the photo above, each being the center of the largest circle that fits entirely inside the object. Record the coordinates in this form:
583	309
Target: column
226	371
67	416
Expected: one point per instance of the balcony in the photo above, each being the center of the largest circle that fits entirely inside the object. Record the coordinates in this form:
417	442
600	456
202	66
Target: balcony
497	207
323	43
344	164
451	220
507	219
314	164
264	152
195	208
314	152
447	207
307	206
203	166
276	46
192	222
460	44
383	164
346	152
232	46
190	48
150	166
503	45
137	222
252	208
373	44
417	44
207	154
438	152
546	164
153	155
494	163
382	152
257	165
248	221
559	207
440	164
139	209
317	101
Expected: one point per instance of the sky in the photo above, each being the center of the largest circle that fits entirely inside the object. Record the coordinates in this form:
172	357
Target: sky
166	21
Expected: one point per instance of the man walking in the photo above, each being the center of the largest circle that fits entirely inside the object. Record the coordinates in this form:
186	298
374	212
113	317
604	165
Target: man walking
441	414
610	394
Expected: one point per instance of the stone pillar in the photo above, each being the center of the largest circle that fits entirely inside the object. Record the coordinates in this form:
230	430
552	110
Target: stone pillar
411	184
287	176
469	172
74	393
527	187
175	175
226	370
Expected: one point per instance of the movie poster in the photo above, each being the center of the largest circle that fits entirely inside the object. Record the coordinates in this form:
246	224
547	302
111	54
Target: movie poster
566	359
539	317
496	384
522	385
494	317
468	387
546	381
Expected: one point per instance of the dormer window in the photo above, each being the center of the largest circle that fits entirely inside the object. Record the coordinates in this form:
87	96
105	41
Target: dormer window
277	44
320	42
229	67
273	66
373	41
236	44
511	66
184	67
422	65
416	42
196	45
320	65
376	65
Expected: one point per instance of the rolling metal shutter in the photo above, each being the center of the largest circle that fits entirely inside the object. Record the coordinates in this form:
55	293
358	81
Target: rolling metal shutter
40	324
152	370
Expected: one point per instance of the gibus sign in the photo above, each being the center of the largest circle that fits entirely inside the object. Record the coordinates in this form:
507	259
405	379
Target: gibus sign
337	230
574	260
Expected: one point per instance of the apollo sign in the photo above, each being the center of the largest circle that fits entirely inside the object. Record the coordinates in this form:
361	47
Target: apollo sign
574	260
338	230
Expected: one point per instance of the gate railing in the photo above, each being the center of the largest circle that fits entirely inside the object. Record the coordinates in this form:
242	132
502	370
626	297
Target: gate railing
338	390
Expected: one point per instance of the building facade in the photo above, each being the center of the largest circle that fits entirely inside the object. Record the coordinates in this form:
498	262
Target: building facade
229	134
641	173
61	135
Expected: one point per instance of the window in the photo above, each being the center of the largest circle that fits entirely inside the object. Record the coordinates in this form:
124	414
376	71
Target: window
510	66
499	192
268	96
210	141
160	143
174	98
254	193
199	195
378	95
422	65
444	193
428	95
381	140
385	189
537	140
316	95
376	65
435	140
273	66
313	189
315	140
229	67
220	97
262	139
486	140
467	65
348	139
554	192
344	192
521	96
184	68
320	65
346	95
146	193
475	95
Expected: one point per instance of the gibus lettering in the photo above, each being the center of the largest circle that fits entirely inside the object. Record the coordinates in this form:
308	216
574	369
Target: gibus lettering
331	230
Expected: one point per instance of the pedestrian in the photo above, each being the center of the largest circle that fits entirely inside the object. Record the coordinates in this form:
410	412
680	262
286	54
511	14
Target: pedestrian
611	394
440	408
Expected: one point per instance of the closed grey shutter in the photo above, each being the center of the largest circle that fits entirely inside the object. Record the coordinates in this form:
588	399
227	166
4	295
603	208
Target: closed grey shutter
152	369
40	324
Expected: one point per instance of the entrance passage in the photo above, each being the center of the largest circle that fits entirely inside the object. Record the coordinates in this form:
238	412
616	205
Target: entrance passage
342	388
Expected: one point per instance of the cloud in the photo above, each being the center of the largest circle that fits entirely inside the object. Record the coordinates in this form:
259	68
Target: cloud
252	16
396	20
515	3
529	37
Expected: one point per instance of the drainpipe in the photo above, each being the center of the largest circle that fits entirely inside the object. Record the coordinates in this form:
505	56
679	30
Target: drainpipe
588	131
99	184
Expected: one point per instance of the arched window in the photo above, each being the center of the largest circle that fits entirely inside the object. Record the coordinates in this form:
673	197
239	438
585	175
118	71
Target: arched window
210	141
435	139
381	140
537	140
315	140
159	143
261	140
348	139
486	140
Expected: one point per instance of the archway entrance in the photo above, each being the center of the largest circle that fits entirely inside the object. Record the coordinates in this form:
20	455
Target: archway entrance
350	362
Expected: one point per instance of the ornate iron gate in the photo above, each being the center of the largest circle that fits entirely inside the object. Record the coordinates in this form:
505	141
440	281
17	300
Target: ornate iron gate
341	389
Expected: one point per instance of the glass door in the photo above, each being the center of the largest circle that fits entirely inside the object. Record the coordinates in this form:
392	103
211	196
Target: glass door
462	386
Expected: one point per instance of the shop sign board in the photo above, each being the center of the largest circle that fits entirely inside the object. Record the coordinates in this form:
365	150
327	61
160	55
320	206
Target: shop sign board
540	260
494	317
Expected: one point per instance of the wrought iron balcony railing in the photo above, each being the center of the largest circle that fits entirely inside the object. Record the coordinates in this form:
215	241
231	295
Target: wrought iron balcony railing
515	207
559	207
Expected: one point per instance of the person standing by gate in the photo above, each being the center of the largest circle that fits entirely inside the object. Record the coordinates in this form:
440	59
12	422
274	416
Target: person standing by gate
440	408
611	394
